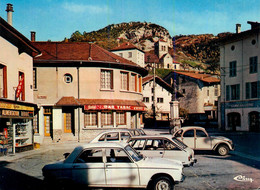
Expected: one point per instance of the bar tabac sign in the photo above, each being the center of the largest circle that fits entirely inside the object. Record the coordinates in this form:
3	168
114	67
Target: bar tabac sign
114	107
4	105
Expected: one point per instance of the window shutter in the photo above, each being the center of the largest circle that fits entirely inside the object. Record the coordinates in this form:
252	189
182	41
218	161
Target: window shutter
227	92
258	89
112	80
247	90
238	92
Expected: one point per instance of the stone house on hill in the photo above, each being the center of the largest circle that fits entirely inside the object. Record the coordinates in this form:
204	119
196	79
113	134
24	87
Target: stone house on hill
130	52
200	91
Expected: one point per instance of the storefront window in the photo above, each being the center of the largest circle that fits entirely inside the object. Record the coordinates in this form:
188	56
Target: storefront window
120	118
35	124
90	118
106	118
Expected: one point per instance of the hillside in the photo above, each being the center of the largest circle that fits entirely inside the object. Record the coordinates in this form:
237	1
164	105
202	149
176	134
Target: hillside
199	51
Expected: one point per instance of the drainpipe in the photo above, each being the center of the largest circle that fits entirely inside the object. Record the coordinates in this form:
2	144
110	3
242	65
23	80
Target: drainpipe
79	106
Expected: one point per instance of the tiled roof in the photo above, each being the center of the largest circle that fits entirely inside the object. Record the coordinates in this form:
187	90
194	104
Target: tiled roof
201	76
76	51
71	101
125	46
161	82
151	58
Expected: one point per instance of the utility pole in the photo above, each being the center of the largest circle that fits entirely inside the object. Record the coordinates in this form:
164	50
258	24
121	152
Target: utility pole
154	98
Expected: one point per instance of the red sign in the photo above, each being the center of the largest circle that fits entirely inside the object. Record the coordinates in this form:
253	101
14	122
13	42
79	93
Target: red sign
114	107
19	87
6	133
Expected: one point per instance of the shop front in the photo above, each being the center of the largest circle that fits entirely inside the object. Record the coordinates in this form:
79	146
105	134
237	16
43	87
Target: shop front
16	131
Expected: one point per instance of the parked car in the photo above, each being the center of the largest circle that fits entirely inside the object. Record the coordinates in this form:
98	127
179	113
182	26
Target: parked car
164	146
197	138
113	165
137	132
121	135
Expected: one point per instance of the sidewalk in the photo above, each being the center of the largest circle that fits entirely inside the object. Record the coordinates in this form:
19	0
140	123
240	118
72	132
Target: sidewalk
43	148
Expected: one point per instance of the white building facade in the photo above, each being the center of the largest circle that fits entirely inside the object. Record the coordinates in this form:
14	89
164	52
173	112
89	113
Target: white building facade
240	80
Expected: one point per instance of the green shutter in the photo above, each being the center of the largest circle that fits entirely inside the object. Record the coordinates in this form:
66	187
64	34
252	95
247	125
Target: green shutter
238	92
227	92
247	90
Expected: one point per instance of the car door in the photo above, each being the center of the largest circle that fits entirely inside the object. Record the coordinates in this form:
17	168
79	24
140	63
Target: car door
120	169
202	140
153	148
89	168
188	137
172	151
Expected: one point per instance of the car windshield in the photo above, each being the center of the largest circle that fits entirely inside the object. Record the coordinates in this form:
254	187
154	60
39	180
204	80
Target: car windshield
142	132
135	155
179	143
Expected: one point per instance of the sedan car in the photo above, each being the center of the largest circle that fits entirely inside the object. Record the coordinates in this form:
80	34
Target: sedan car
113	165
164	146
197	138
121	135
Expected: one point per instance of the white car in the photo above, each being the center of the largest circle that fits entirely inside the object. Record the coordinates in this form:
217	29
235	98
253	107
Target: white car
197	138
121	135
113	165
164	146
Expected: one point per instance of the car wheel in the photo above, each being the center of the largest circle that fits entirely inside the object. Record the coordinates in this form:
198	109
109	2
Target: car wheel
223	150
163	183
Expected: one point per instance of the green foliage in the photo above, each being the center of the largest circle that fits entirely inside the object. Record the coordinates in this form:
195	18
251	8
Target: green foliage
160	72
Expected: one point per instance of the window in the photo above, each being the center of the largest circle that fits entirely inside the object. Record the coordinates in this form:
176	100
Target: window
106	79
3	82
34	78
130	54
235	92
124	81
253	64
252	90
106	118
216	90
133	85
20	91
120	118
67	78
159	100
189	133
232	68
117	155
183	91
90	118
35	124
90	156
200	133
121	54
146	99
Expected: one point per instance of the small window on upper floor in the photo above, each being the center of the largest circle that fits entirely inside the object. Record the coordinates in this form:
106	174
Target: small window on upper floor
130	54
106	79
232	68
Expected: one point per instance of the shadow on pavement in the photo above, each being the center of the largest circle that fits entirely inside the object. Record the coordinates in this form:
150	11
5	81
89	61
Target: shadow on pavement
237	158
13	180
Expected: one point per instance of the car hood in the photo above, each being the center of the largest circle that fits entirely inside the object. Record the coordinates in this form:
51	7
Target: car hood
54	165
160	163
220	138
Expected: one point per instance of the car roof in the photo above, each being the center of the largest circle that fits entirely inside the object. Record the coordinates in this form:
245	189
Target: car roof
192	127
103	145
151	136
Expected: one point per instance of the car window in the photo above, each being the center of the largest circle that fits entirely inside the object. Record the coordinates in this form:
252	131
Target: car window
114	136
90	156
136	133
102	138
117	155
189	133
200	133
178	133
154	144
137	144
125	135
168	145
132	152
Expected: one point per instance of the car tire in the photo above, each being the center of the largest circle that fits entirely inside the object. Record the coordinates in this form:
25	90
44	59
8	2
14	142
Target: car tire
222	150
163	183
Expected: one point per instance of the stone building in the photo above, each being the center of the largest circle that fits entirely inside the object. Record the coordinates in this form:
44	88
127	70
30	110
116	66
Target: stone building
82	89
240	80
200	91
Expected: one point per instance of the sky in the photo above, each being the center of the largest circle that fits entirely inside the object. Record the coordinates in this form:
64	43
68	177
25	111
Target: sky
57	19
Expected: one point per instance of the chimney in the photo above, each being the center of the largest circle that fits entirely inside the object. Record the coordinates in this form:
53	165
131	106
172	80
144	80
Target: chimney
9	10
238	28
33	36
